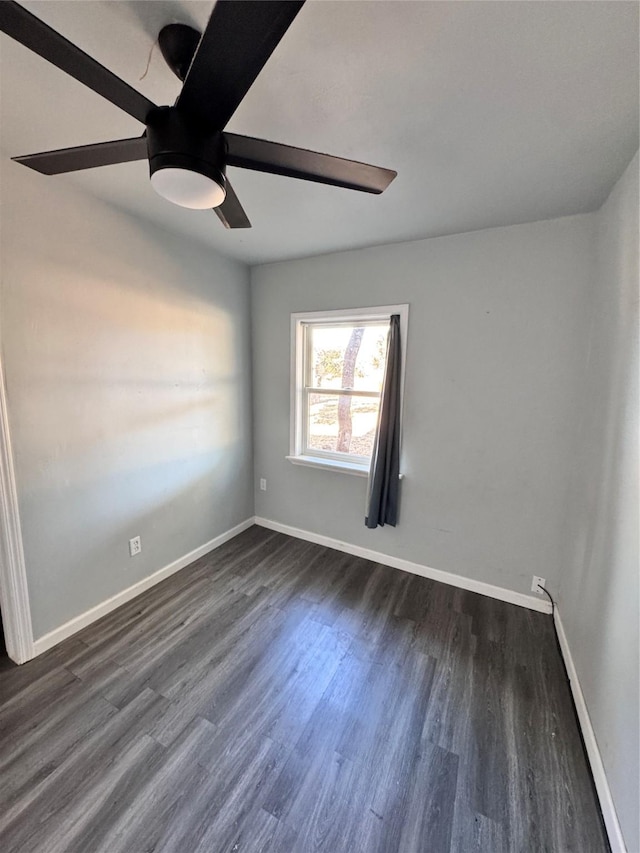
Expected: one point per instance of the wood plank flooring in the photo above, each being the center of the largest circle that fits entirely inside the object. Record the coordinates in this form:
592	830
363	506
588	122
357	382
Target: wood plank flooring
280	697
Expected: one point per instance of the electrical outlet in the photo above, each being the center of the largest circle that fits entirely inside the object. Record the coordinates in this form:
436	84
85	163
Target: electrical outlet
135	546
536	583
263	484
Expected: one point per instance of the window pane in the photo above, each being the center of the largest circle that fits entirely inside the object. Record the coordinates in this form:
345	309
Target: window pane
342	424
347	356
370	361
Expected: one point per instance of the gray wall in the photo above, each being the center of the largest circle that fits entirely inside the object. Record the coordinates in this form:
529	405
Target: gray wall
496	326
127	361
599	594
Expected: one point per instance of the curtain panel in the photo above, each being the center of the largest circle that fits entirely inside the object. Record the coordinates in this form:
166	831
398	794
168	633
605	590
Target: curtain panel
384	473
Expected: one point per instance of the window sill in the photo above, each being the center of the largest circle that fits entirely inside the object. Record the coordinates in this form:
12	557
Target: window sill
330	465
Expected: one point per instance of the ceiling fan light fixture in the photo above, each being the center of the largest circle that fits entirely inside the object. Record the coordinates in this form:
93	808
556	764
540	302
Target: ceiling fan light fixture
186	166
187	146
189	188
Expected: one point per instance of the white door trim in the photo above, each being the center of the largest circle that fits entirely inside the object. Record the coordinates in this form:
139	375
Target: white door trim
14	595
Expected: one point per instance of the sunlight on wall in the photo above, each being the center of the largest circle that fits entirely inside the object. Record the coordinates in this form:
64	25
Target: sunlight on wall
127	367
137	368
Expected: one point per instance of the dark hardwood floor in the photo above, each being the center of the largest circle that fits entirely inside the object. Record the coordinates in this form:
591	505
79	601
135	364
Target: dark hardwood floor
280	696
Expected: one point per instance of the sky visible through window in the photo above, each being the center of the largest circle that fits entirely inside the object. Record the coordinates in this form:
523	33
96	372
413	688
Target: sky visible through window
345	357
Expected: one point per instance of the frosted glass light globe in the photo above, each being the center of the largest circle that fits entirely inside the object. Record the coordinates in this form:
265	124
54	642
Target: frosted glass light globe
187	188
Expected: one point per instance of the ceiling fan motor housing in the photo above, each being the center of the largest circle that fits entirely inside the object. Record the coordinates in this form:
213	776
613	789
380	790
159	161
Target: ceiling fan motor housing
185	144
173	143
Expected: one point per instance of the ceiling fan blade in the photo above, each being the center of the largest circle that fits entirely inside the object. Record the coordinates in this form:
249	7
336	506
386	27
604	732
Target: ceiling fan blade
86	156
262	156
231	212
33	33
237	42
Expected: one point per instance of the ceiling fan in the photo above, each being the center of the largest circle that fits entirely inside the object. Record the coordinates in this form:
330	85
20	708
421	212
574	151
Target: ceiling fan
186	144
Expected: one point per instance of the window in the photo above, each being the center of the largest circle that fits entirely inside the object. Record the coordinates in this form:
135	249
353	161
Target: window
338	362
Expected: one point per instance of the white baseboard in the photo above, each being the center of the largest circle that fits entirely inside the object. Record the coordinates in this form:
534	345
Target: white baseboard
595	759
519	598
597	768
76	624
79	622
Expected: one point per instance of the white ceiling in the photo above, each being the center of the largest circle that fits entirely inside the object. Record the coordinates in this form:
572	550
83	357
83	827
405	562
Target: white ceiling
492	113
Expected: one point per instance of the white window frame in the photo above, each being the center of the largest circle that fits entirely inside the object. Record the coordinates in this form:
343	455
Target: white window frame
297	440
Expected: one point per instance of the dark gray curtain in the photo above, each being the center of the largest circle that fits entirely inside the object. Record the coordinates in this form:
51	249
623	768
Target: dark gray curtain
384	474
